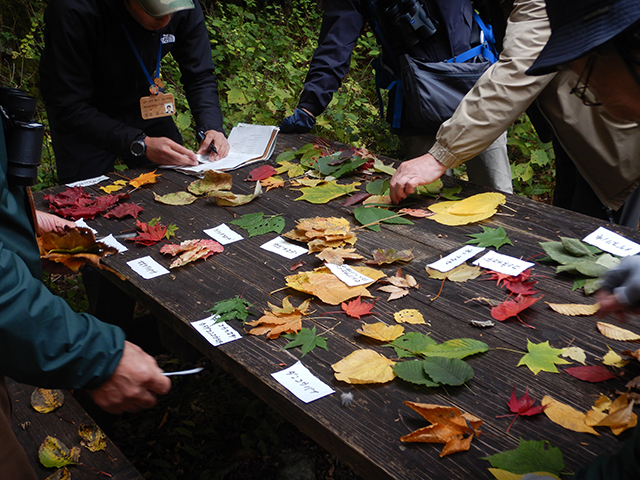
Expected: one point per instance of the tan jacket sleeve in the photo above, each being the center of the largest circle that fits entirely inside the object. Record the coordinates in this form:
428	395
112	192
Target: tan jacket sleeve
502	94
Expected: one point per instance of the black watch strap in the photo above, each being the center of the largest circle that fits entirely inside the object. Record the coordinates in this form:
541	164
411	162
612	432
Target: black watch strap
138	147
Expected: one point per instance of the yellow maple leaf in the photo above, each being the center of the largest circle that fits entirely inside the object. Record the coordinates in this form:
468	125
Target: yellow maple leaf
380	331
566	416
409	315
470	210
616	333
364	366
573	309
448	425
272	182
114	187
337	256
144	179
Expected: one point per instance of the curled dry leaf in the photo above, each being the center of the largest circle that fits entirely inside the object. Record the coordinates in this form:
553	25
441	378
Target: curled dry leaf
364	366
380	331
144	179
416	212
212	180
566	416
573	309
409	315
390	255
395	292
337	256
279	320
230	199
191	250
616	333
74	248
45	400
175	198
54	453
93	439
619	418
321	233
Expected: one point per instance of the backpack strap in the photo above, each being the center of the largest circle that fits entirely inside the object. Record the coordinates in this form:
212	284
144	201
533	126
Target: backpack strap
487	48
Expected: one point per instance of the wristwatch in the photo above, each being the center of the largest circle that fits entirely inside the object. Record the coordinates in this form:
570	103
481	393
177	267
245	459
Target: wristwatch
138	147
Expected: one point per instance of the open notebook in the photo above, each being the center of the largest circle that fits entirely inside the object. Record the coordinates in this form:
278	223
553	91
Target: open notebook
249	144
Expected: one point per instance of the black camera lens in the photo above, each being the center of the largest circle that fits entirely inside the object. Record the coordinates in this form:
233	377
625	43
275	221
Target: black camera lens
18	105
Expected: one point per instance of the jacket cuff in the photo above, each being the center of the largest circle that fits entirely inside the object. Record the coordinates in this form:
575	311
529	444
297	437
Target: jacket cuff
314	109
444	156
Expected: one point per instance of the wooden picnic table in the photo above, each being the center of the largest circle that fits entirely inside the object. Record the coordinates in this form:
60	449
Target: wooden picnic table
367	434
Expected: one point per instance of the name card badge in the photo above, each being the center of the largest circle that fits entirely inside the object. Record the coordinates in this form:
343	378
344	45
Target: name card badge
302	383
348	275
611	242
216	333
283	248
81	223
112	242
88	182
147	267
456	258
223	234
503	263
155	106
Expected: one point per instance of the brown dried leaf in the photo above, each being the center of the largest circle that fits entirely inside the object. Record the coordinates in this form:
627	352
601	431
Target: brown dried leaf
337	256
93	439
329	288
573	309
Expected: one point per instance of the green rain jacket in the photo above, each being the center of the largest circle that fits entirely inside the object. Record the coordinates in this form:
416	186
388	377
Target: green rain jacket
42	341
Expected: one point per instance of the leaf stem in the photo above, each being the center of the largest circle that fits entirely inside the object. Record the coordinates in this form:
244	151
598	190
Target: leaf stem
509	350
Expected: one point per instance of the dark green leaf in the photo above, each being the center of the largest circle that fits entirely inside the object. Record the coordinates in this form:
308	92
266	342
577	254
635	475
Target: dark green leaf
413	371
307	339
230	309
448	371
490	237
530	456
411	343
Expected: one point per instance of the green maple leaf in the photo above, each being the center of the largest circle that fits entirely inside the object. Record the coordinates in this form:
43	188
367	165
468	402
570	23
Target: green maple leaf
231	309
258	224
530	456
171	231
542	356
307	339
326	192
490	237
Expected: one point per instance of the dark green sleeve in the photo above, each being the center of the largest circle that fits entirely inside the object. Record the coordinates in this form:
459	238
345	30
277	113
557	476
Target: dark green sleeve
624	465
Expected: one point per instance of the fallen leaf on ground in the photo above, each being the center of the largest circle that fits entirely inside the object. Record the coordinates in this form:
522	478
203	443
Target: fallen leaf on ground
46	400
448	425
511	308
416	212
326	192
321	233
364	366
191	250
461	273
409	315
230	199
357	308
54	453
144	179
150	233
566	416
337	256
470	210
400	285
93	439
613	359
114	187
490	237
530	456
261	173
524	405
575	353
619	418
542	357
175	198
272	182
593	373
279	320
573	309
212	180
499	474
307	339
380	331
390	255
123	210
616	333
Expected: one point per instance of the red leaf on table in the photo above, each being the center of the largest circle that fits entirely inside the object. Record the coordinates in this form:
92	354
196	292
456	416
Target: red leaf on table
123	210
150	235
594	373
511	308
357	308
524	404
107	201
520	284
66	198
356	198
261	173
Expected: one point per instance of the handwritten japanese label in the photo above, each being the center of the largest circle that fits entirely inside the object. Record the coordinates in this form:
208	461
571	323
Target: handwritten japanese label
112	242
88	182
286	249
456	258
612	242
216	333
503	263
81	223
147	267
223	234
302	383
348	275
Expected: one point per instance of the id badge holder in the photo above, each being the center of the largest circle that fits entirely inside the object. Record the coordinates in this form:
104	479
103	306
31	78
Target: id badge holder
160	105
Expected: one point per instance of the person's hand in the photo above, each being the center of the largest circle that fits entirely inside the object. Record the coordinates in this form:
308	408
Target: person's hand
133	385
620	290
52	223
219	141
413	173
302	121
164	151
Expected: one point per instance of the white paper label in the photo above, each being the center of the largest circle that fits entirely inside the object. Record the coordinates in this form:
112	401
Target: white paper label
456	258
81	223
216	333
112	242
88	182
612	242
301	382
147	267
348	275
286	249
223	234
503	263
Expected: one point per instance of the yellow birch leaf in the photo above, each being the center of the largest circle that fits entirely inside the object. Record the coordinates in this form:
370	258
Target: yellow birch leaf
93	439
566	416
470	210
380	331
144	179
574	353
461	273
44	400
504	475
616	333
573	309
456	220
364	366
593	417
409	315
613	359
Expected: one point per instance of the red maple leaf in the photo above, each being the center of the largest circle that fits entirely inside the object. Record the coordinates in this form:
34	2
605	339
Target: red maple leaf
76	212
123	210
150	235
356	308
511	308
107	201
66	198
519	284
522	406
595	373
261	173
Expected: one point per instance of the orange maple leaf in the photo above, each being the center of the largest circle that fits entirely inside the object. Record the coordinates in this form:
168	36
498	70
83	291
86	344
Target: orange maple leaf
144	179
278	320
357	308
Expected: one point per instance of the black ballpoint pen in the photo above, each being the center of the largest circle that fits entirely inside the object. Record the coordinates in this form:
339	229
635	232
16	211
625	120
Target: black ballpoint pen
201	136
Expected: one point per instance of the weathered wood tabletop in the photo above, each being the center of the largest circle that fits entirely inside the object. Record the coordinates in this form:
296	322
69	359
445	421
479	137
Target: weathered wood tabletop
367	434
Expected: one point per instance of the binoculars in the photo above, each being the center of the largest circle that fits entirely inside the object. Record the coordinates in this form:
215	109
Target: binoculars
23	135
411	21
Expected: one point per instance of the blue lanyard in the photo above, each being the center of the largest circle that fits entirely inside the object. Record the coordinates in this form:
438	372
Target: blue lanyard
144	69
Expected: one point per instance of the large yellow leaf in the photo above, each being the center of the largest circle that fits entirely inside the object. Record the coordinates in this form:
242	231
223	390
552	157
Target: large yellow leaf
409	315
572	309
566	416
380	331
364	366
617	333
470	210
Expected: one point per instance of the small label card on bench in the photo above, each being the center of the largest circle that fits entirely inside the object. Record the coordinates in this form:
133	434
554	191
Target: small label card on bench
612	242
112	242
223	234
147	267
503	263
286	249
302	383
88	182
456	258
216	333
348	275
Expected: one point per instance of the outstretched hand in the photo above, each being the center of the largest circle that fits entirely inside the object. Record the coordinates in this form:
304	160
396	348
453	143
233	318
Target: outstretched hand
164	151
133	385
52	223
413	173
620	290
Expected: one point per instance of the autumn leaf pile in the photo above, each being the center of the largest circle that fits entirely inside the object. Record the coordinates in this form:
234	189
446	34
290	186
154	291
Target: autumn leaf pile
321	233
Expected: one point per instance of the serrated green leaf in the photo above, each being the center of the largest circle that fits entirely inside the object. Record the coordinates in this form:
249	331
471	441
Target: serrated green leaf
411	343
530	456
448	371
286	156
575	247
367	215
456	348
413	371
307	339
542	357
171	231
326	192
231	309
432	189
378	187
490	237
256	224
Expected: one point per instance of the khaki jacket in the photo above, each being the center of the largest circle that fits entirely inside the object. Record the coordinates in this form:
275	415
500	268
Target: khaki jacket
606	152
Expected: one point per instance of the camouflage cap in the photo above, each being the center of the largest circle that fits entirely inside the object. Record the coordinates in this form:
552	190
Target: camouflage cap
160	8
